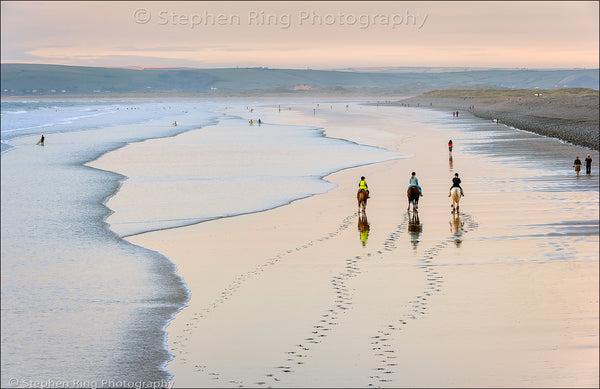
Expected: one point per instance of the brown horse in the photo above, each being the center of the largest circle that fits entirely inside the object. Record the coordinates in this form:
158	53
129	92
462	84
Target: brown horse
413	198
361	196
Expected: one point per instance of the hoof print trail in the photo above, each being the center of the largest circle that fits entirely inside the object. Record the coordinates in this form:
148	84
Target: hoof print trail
386	366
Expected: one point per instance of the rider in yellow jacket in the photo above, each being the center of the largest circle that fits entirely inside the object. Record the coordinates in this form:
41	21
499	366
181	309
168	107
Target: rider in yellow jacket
363	185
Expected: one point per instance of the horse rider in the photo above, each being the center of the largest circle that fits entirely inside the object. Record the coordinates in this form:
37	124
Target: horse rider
414	181
362	185
456	184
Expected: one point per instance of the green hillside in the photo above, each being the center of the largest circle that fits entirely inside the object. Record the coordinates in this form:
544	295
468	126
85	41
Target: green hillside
31	79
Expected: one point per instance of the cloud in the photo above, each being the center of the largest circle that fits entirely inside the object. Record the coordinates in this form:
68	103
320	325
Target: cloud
512	34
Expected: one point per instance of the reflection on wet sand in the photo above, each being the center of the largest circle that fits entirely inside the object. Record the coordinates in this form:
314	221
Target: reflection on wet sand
456	227
414	228
363	227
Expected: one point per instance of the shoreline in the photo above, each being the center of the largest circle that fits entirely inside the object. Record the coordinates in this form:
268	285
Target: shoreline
292	296
571	119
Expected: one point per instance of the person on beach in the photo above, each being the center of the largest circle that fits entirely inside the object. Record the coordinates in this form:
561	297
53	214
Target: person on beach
577	165
450	145
414	181
363	185
456	184
588	165
41	141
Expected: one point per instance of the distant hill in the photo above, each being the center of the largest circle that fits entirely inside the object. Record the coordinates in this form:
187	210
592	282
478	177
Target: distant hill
34	79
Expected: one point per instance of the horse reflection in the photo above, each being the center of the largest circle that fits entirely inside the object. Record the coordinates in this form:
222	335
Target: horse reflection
456	227
363	227
414	228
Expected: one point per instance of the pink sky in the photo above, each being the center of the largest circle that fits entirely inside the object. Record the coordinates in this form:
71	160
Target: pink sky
318	35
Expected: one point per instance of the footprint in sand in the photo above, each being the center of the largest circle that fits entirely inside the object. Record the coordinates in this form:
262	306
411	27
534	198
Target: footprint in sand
418	305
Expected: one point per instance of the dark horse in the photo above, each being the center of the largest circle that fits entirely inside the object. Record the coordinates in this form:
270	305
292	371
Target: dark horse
413	198
361	196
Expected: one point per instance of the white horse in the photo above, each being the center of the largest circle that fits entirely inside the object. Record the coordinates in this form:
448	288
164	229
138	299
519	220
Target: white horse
455	193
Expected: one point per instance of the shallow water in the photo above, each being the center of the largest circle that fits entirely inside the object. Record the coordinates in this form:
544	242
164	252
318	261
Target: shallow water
226	170
79	304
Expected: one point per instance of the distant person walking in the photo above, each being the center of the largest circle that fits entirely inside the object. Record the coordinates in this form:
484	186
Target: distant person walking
588	165
41	141
577	165
450	145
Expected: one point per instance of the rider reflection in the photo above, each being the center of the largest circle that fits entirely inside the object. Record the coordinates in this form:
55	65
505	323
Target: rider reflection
456	227
414	228
363	227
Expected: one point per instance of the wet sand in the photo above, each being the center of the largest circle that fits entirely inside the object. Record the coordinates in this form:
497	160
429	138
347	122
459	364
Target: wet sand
291	297
574	119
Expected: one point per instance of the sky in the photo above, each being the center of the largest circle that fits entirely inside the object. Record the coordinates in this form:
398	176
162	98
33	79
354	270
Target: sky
302	34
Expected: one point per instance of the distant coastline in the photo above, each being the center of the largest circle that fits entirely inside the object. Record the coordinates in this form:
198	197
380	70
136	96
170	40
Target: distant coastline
60	80
569	114
315	92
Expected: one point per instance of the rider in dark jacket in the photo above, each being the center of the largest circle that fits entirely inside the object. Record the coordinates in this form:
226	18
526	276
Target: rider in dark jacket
456	184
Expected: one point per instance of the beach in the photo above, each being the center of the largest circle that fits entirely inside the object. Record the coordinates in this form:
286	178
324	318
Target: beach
220	253
503	294
571	115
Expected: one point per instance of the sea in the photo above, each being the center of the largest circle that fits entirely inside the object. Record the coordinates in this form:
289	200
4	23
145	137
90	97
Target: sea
81	307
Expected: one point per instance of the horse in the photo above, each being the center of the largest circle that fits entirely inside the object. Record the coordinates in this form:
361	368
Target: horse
455	193
361	196
413	198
